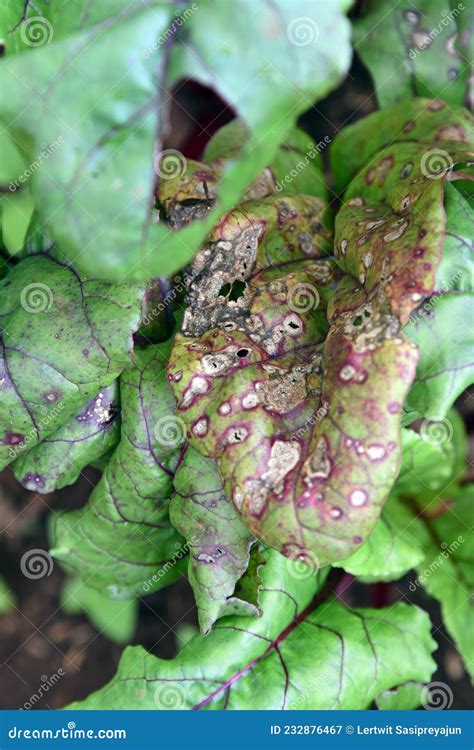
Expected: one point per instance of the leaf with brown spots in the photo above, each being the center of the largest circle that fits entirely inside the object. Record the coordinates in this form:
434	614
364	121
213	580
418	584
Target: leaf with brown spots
391	228
300	407
416	49
424	121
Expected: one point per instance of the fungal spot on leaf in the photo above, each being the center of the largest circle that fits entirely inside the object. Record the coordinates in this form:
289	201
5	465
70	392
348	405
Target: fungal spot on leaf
200	427
358	498
375	452
318	464
197	387
412	16
13	438
216	364
396	233
250	400
51	396
237	435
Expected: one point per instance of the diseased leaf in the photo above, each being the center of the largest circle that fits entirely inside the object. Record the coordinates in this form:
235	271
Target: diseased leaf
297	167
389	235
424	59
122	542
63	338
219	543
59	459
116	620
107	225
432	465
424	121
327	657
305	423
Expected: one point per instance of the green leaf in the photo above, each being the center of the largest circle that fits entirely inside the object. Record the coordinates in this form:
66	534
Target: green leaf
404	698
447	572
119	74
13	159
219	543
121	541
424	59
445	338
6	598
427	460
17	210
456	270
390	551
63	338
327	657
83	438
116	620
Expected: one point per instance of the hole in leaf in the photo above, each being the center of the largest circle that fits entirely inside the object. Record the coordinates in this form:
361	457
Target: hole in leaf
234	291
242	352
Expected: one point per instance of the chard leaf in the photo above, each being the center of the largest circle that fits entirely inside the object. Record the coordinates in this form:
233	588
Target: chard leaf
63	338
392	234
318	656
456	270
121	541
425	58
424	121
428	459
447	572
120	72
17	210
304	423
389	237
116	620
219	543
391	550
444	334
59	459
433	463
406	697
297	167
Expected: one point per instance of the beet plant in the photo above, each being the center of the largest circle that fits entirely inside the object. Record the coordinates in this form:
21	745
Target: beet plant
260	351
